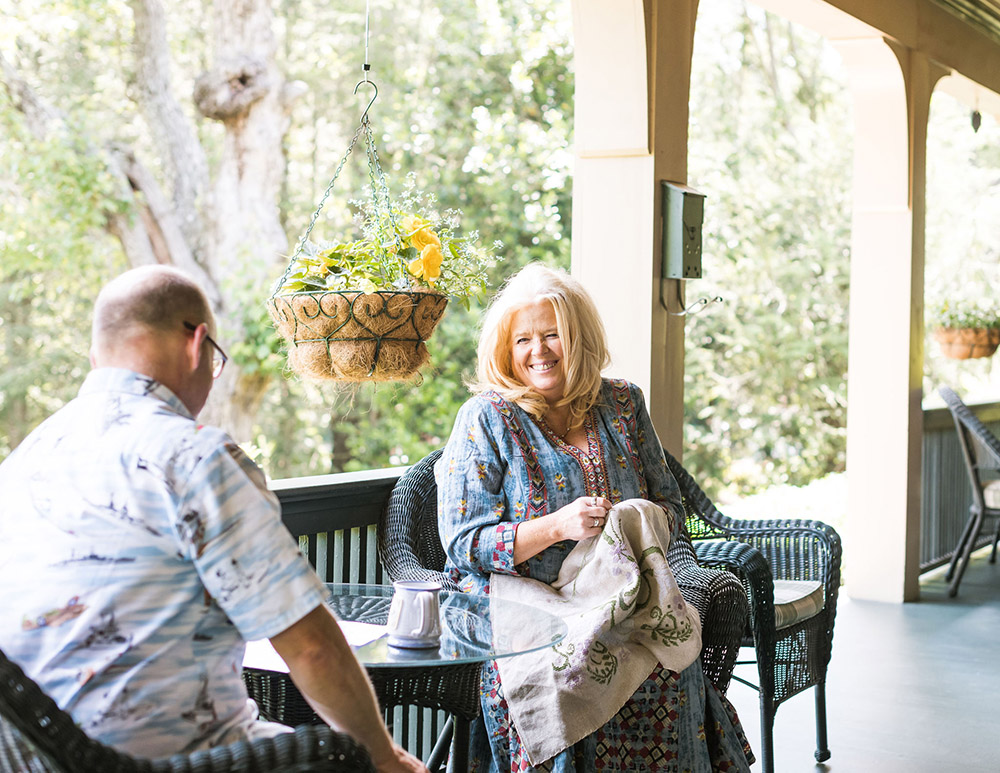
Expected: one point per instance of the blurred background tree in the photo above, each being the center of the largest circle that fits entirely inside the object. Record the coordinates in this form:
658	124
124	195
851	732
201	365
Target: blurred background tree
963	238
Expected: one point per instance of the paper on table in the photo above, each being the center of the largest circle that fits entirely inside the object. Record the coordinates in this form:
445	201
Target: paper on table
261	655
359	634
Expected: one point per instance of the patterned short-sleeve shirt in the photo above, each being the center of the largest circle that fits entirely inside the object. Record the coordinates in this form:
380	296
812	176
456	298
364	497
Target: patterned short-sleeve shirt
138	551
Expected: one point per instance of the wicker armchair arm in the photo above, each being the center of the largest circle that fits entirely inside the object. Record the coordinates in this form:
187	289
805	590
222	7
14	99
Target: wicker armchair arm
795	548
722	606
749	564
309	748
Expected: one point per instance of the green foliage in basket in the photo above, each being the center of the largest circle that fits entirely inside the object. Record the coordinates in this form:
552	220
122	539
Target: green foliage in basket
406	246
964	314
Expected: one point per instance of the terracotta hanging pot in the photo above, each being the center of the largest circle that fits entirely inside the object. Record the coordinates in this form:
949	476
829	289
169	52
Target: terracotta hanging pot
963	343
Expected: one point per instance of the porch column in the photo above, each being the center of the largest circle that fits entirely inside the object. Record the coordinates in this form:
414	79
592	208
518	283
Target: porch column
633	66
891	86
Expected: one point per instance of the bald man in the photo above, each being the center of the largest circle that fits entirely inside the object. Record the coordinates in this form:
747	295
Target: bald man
140	550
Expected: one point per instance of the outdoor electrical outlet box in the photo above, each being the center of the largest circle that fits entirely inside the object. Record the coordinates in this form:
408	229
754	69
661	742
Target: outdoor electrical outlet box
683	212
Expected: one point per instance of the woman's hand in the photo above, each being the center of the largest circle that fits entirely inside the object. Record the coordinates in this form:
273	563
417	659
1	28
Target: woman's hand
582	518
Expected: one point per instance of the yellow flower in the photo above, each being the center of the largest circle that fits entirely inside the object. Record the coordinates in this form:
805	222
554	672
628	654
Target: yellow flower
417	230
428	265
411	223
424	238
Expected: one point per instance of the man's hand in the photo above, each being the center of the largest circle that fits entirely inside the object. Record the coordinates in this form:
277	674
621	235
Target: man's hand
330	678
400	762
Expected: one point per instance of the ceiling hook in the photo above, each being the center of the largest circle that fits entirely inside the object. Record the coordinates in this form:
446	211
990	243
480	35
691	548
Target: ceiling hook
364	115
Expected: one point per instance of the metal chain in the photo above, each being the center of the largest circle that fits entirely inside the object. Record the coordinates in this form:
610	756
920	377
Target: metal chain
381	187
315	215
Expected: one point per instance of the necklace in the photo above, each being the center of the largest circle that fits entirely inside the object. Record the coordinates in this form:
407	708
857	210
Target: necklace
561	435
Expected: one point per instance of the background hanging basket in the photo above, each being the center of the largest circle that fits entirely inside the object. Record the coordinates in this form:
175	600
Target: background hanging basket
967	343
355	336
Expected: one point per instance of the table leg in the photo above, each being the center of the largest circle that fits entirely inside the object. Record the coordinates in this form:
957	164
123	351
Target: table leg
455	734
439	754
460	748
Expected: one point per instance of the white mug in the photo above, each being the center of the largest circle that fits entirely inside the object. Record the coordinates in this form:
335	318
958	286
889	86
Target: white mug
414	615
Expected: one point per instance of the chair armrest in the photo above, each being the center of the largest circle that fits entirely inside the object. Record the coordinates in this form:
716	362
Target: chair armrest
794	548
309	748
722	606
749	564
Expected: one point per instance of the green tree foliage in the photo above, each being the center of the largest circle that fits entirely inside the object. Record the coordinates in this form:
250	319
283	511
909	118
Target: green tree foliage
771	146
53	202
474	98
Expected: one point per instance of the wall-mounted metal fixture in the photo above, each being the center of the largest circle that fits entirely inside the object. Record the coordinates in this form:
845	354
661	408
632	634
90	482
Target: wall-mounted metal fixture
683	212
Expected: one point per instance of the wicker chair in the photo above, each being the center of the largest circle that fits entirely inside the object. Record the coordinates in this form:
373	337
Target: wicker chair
39	737
792	642
410	549
981	451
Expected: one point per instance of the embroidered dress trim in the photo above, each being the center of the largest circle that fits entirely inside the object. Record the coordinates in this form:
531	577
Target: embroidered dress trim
624	422
591	461
537	494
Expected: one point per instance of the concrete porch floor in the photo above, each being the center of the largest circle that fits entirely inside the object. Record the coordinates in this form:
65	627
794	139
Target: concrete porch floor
912	688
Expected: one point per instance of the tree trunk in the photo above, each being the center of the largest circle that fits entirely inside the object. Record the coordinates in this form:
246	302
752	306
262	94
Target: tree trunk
222	226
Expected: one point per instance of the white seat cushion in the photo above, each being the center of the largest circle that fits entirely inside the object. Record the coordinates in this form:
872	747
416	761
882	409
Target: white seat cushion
991	494
796	600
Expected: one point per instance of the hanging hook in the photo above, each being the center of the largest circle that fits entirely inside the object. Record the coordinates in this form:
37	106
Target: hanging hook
364	115
697	306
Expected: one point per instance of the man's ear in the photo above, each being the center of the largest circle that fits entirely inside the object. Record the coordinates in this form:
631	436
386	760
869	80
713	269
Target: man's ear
193	348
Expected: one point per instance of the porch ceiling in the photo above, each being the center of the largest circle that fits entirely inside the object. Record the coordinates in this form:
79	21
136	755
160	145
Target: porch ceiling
983	14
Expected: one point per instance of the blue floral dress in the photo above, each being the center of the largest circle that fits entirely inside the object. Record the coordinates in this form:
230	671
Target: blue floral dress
501	467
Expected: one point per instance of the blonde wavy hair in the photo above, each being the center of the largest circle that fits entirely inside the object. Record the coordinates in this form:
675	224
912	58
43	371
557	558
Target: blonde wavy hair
581	332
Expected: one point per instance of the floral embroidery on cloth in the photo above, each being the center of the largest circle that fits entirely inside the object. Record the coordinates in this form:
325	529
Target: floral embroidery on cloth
625	614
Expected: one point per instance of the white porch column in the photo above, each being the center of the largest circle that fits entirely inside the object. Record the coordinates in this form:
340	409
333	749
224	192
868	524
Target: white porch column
891	87
633	65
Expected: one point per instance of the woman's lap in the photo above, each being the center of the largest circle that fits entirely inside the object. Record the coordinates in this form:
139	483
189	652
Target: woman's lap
673	723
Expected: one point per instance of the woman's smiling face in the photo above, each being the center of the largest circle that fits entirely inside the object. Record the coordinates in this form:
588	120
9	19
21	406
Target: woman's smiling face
536	351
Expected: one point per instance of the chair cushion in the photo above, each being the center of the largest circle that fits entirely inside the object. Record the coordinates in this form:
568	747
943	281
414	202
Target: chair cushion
991	494
796	600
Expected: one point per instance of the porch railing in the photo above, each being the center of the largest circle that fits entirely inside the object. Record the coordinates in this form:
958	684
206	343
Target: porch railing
946	491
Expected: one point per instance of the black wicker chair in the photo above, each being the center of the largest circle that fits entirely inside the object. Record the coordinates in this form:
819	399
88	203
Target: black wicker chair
790	658
410	549
39	737
981	451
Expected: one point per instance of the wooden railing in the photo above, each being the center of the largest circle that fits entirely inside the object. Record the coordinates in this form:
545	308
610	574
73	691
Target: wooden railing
946	490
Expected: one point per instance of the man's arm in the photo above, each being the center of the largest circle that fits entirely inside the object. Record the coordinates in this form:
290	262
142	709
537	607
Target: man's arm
330	678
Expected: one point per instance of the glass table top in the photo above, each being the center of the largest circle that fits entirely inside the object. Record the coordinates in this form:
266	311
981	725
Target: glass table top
467	635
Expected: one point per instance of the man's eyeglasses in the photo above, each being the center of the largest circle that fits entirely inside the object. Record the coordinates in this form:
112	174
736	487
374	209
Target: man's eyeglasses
219	358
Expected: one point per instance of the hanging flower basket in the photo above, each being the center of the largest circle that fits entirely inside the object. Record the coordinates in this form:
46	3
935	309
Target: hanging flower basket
354	336
967	343
362	310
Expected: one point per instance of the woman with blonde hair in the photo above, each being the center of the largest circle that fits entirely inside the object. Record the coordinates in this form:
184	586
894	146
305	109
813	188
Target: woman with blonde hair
536	460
